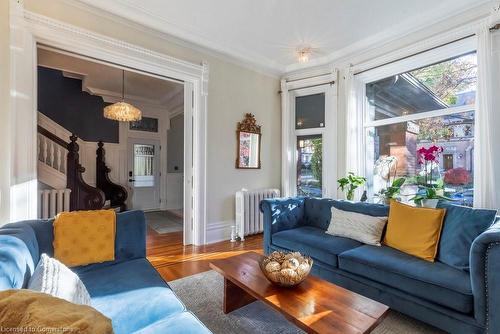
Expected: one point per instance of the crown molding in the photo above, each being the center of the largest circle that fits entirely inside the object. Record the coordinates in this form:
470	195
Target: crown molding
254	63
401	36
81	38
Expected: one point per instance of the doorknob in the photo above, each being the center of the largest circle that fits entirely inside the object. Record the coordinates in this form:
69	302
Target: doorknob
131	180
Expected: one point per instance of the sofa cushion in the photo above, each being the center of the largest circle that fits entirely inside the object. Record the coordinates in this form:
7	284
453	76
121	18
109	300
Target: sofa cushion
132	294
314	242
180	323
54	278
18	255
435	282
461	226
85	237
415	231
357	226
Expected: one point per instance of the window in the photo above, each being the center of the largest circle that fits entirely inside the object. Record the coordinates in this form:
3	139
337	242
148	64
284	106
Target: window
431	105
310	111
144	165
309	165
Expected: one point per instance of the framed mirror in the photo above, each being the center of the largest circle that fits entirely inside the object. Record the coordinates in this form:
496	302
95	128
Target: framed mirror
248	135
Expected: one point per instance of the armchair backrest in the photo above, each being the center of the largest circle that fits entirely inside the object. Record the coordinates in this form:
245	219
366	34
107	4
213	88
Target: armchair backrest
19	255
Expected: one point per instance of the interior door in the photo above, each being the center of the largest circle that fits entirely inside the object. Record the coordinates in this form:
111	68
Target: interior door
144	174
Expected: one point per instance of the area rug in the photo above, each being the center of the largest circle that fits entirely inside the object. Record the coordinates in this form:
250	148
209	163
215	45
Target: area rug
164	222
202	295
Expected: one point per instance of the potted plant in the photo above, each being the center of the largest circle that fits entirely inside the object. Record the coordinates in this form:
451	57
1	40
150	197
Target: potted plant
430	192
392	191
350	183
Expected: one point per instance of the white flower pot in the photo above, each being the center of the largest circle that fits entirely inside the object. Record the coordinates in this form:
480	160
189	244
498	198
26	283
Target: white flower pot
430	203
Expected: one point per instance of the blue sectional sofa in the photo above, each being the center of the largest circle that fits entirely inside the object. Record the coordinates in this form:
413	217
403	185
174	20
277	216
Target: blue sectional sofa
457	301
128	290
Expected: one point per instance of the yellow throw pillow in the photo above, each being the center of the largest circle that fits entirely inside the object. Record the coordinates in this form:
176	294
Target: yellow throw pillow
84	237
26	311
415	231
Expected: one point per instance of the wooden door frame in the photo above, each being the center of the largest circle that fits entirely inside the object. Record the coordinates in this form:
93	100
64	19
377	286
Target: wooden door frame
27	30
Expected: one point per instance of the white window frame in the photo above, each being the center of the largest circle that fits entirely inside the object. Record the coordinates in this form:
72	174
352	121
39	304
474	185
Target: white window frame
290	91
427	58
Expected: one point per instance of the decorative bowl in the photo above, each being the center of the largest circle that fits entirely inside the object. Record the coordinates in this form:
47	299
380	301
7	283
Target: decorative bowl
286	269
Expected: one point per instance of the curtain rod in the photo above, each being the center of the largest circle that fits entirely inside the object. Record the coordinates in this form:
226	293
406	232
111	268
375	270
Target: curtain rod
420	52
495	27
331	83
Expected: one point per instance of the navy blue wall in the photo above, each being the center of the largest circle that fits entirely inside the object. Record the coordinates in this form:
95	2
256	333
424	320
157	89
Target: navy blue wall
62	100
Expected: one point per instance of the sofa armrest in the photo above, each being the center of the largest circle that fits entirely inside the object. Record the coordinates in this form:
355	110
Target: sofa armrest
485	278
280	214
130	240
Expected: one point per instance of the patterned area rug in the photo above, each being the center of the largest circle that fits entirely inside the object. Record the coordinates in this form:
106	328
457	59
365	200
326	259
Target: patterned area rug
202	294
164	221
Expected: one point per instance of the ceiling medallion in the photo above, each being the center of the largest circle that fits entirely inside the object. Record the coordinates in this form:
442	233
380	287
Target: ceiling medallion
122	111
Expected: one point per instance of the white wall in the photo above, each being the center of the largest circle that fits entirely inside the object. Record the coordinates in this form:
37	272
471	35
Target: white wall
233	91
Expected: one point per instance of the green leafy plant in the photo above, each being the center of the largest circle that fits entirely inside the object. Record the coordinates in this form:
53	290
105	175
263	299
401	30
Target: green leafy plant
350	183
430	193
393	190
316	160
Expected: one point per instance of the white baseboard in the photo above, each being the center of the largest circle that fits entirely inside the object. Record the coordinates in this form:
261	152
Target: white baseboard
219	231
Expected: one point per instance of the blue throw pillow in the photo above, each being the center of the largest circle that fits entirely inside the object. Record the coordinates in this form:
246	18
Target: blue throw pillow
461	226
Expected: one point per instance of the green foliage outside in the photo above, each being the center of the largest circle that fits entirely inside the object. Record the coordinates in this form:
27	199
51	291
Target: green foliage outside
448	78
433	129
316	160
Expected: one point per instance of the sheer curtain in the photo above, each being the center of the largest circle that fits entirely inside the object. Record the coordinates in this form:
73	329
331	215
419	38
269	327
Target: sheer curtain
353	94
487	133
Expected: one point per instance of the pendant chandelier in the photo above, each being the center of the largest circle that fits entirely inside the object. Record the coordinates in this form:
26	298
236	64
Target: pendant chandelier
122	111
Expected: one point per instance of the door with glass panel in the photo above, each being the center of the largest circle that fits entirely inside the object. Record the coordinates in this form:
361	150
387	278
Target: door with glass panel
144	175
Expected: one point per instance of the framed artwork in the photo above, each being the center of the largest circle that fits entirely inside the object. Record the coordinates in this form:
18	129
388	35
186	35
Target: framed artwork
147	124
248	136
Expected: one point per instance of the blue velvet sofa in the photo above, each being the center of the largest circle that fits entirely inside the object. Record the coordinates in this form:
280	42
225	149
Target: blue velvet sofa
454	300
128	290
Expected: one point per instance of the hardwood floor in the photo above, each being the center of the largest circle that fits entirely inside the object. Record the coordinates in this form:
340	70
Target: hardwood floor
173	260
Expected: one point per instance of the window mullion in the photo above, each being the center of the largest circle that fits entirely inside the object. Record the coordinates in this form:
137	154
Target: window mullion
418	116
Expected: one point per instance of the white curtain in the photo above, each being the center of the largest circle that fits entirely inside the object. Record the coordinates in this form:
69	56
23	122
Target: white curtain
487	128
354	151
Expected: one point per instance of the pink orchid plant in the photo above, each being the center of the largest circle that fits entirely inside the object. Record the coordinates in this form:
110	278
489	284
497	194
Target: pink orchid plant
427	157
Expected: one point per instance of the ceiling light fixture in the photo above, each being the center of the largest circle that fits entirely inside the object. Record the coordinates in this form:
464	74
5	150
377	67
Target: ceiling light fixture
122	111
303	54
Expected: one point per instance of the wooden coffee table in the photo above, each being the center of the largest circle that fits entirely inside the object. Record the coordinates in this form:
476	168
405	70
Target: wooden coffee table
316	306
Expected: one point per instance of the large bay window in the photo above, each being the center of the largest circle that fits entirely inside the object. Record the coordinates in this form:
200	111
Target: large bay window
424	102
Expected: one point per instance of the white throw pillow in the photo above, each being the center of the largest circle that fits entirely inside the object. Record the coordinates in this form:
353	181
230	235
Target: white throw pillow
54	278
363	228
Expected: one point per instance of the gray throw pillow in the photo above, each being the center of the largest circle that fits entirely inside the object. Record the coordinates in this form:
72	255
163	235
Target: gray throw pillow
54	278
363	228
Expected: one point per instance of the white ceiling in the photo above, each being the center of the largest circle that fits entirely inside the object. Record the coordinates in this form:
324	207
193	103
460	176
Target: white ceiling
106	81
268	32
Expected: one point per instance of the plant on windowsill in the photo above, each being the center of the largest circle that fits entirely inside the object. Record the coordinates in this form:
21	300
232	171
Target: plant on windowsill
430	192
392	191
350	183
